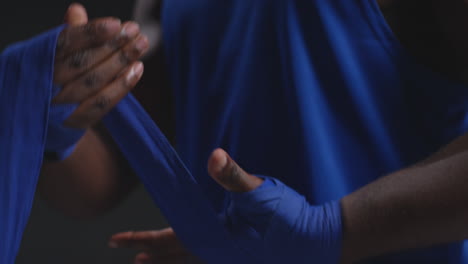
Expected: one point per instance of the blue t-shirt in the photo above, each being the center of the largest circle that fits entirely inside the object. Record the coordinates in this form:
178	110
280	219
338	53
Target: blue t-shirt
317	93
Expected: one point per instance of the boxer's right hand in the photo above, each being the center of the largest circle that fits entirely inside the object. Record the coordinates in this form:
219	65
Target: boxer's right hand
96	65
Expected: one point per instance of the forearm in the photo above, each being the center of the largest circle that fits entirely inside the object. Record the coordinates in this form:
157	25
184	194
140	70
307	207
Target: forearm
92	180
424	205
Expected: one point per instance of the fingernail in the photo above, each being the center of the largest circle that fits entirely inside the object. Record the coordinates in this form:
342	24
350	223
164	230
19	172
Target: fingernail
221	162
130	30
135	72
141	44
138	69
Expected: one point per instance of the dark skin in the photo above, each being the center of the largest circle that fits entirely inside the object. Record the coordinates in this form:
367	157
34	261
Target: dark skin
97	65
417	207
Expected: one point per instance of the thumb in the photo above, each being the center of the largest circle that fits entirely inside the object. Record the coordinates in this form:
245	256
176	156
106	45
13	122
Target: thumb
225	171
76	15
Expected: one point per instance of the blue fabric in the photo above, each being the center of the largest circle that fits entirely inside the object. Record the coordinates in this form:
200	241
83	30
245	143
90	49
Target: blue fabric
189	212
316	93
26	89
26	74
267	182
26	115
275	224
170	184
61	140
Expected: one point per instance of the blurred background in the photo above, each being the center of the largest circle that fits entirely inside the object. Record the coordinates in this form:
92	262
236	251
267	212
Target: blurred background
51	238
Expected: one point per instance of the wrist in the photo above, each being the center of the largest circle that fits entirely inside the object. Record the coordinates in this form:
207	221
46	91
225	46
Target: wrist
314	232
61	140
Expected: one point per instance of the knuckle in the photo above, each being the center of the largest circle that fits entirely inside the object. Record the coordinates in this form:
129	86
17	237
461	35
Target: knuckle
124	58
231	175
91	29
131	53
102	103
235	174
78	60
136	52
113	78
115	43
91	32
96	29
91	80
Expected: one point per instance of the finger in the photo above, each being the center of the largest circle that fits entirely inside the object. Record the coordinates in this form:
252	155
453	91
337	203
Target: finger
93	34
75	65
229	175
148	258
159	242
91	82
144	258
76	15
93	109
145	236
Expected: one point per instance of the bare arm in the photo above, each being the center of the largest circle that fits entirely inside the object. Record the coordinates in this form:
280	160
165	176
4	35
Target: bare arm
413	208
91	181
425	204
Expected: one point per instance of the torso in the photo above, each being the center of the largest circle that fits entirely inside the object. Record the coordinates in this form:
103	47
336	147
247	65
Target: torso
413	22
252	51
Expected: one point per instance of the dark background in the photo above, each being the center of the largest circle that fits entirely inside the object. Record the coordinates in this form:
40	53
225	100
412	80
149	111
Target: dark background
50	237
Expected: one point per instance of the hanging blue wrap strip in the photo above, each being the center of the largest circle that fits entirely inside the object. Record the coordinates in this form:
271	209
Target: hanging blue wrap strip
170	184
26	75
61	140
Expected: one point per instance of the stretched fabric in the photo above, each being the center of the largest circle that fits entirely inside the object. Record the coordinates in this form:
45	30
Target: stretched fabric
26	75
170	184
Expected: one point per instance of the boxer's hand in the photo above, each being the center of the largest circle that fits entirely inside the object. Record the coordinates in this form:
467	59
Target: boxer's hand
96	64
161	247
270	222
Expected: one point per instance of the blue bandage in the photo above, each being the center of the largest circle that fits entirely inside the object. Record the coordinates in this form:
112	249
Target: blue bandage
61	140
277	225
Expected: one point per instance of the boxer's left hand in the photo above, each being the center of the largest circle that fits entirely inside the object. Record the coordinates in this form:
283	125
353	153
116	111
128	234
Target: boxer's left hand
96	64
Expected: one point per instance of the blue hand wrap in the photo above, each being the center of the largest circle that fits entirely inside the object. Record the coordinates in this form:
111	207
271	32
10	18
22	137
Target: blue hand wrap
61	140
277	225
